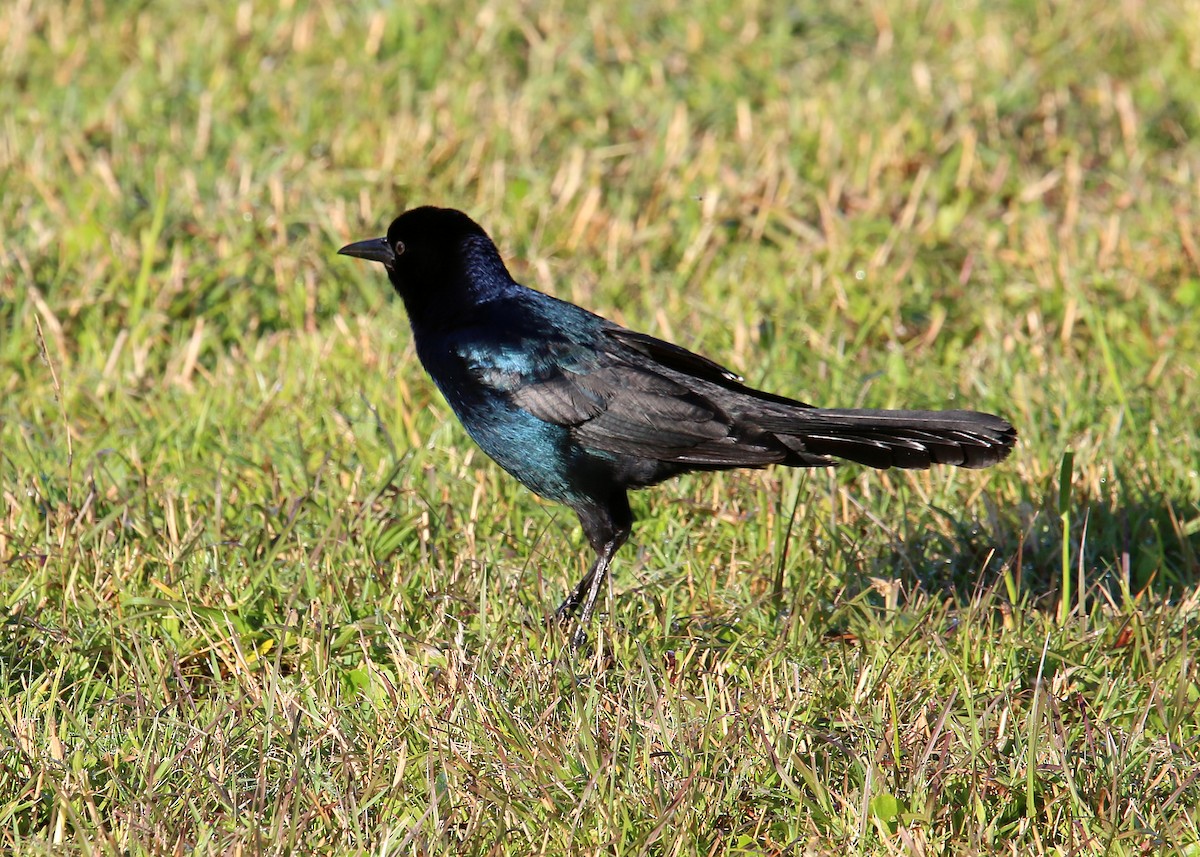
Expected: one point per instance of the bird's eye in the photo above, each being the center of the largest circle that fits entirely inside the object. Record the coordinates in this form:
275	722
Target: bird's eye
399	248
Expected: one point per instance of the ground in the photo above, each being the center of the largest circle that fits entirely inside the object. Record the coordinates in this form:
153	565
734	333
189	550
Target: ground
261	594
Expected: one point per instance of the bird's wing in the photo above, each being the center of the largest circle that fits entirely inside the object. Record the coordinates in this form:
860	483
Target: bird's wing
674	359
668	354
617	396
544	375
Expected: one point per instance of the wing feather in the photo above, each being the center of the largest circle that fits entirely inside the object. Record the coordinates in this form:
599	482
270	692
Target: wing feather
623	400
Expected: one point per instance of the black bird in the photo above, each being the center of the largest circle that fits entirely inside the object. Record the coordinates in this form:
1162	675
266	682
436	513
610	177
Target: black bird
580	410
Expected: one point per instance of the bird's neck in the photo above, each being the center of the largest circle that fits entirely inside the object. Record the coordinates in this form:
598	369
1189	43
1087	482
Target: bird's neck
444	298
482	272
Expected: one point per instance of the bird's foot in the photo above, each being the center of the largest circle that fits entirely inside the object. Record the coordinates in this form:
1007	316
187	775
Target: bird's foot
579	639
566	611
564	617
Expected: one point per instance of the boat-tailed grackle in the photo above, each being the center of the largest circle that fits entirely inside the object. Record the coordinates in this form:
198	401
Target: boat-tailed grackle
581	410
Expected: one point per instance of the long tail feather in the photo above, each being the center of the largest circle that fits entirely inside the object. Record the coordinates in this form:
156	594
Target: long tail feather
908	439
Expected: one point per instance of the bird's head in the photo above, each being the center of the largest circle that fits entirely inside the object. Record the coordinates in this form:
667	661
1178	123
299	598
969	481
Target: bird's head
436	257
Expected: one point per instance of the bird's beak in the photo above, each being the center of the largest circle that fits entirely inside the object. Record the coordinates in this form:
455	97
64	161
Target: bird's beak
373	249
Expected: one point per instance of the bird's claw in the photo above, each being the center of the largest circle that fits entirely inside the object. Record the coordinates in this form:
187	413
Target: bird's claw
579	639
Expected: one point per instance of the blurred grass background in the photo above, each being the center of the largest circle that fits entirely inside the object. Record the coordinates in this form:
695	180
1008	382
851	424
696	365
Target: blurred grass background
262	595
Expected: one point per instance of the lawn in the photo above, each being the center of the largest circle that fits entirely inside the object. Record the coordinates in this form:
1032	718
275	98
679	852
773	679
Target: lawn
261	594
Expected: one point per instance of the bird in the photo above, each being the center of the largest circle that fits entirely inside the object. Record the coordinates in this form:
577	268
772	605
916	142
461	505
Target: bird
581	410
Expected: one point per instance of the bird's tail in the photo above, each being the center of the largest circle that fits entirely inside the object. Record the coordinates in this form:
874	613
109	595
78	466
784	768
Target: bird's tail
908	439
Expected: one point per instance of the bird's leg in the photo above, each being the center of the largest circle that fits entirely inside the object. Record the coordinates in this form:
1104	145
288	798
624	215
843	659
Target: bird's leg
607	527
567	609
596	576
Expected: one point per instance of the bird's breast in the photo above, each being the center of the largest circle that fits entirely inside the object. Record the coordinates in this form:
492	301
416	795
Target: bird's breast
538	454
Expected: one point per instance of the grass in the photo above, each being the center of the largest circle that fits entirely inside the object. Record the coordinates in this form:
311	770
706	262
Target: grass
260	593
